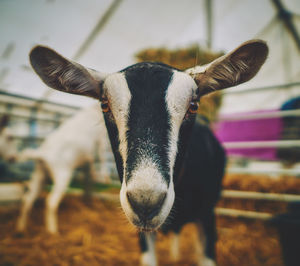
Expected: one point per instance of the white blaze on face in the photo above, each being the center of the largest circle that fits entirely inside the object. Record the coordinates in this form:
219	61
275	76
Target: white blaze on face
119	99
145	175
178	97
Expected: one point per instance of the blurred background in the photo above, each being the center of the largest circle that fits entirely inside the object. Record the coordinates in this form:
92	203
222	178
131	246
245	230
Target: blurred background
257	122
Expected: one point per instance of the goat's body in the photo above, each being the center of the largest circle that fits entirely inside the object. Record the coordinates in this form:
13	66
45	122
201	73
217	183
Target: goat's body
73	144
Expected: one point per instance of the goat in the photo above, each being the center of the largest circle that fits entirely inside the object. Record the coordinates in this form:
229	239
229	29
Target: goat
149	110
71	145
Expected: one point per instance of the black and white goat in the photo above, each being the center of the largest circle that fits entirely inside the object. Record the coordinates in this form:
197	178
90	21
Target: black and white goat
164	160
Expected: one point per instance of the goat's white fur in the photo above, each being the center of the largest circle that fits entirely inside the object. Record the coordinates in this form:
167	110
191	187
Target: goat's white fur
148	258
179	95
202	260
119	99
71	145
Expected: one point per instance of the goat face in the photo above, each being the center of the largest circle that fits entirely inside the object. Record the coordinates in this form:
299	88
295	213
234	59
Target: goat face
148	109
148	103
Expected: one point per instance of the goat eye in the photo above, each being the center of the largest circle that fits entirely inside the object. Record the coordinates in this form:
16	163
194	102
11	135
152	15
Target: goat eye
193	107
105	106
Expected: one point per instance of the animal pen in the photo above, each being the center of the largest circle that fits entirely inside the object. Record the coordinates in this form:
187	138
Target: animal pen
253	200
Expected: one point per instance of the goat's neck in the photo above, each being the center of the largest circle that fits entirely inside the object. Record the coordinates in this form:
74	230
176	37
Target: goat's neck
183	143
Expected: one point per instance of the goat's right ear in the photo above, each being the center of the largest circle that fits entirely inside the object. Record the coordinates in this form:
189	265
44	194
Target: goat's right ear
64	75
232	69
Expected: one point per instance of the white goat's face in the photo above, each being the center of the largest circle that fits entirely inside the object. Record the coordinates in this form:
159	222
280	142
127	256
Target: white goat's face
147	107
148	103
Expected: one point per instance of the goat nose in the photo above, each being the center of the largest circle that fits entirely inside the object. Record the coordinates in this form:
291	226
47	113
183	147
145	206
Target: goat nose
146	207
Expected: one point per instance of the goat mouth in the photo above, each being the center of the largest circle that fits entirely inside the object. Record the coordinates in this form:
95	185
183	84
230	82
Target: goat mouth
146	229
145	226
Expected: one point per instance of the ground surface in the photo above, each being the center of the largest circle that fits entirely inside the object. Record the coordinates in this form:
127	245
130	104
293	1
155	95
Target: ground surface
100	235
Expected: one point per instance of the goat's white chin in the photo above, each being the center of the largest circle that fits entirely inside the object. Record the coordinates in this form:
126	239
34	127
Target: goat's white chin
156	221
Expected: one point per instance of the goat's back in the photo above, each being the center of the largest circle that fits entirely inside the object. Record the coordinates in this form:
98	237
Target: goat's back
75	139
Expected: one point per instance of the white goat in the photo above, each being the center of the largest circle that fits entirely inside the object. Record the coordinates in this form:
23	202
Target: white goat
73	144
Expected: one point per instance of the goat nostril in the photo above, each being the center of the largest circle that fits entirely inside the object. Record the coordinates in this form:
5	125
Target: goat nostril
146	209
154	210
134	203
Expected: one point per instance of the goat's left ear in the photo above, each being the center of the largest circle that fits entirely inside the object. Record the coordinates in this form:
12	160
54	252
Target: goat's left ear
232	69
64	75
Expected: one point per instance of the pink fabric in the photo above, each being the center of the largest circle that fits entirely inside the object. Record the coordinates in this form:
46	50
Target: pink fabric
250	130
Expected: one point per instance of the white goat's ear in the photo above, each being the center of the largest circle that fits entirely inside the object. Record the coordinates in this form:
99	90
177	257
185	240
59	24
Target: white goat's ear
64	75
232	69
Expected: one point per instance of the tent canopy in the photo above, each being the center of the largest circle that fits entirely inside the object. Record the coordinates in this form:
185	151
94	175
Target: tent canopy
135	25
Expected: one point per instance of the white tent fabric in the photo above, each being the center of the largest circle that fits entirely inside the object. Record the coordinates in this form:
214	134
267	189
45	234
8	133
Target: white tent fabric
137	24
281	67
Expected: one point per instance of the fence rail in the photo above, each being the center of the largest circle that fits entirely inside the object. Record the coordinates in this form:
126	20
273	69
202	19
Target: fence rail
236	194
34	101
264	115
243	214
40	119
262	89
28	138
266	171
262	144
228	145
